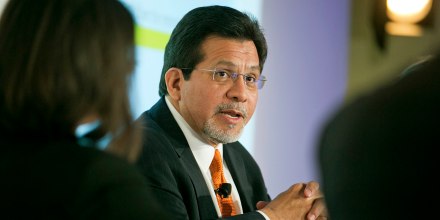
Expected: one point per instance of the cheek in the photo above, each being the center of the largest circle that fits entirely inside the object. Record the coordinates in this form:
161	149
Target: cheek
200	101
251	105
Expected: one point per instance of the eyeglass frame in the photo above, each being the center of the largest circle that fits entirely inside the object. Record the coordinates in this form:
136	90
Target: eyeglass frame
259	83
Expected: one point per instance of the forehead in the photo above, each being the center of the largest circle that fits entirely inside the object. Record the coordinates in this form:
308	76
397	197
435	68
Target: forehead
230	52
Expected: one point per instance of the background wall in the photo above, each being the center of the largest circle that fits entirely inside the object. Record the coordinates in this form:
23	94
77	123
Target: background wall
306	68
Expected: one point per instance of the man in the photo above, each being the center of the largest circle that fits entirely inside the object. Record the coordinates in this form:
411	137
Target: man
209	91
385	143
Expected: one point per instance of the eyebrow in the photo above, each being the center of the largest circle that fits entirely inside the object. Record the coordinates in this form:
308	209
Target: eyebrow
231	64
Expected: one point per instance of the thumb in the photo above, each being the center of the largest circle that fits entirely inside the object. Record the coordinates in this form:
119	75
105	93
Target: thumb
261	204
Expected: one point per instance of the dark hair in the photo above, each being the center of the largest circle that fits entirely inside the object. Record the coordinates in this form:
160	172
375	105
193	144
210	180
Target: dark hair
184	47
63	60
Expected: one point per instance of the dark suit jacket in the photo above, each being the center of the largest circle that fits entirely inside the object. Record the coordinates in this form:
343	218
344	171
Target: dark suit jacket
57	179
175	178
377	154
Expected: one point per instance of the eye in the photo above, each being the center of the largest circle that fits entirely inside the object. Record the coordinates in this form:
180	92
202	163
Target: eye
250	79
221	75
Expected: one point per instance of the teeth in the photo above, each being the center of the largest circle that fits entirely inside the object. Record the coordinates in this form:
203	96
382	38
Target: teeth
232	116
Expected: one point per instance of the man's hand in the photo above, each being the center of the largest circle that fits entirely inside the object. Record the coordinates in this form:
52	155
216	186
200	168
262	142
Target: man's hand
318	210
300	201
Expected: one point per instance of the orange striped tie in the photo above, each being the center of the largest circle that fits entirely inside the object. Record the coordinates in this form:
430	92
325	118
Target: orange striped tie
225	203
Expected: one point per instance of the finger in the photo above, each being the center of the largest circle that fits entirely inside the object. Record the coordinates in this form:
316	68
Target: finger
318	210
312	187
261	204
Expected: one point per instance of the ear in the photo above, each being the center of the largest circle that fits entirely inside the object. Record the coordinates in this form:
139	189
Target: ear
174	80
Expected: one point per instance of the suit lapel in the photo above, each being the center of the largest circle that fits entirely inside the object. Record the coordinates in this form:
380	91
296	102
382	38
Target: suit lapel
204	200
238	172
162	115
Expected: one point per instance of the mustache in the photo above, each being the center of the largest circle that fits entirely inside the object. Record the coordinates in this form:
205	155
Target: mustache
240	107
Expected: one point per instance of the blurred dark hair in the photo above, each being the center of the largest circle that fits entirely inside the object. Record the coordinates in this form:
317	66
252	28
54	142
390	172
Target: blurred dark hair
184	46
64	60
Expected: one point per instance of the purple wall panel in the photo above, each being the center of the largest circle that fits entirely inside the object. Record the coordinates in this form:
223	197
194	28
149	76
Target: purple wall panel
306	68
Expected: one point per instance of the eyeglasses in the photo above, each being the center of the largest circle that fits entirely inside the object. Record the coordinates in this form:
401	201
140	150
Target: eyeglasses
224	76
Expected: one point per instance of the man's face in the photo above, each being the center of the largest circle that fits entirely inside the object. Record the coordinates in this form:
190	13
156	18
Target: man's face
219	111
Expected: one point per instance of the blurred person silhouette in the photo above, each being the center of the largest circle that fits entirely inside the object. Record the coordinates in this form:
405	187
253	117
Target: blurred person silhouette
209	89
64	64
382	145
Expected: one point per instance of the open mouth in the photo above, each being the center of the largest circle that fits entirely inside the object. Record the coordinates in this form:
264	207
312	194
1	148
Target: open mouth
232	113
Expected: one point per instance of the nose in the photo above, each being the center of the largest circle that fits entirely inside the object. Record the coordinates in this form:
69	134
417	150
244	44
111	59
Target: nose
238	91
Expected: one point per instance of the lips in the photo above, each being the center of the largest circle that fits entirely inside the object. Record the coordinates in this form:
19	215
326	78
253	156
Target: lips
232	113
